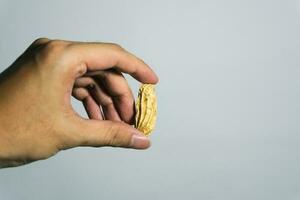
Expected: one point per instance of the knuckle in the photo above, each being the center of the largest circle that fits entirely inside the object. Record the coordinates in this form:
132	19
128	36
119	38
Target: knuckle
86	82
80	93
40	40
90	81
35	47
54	46
115	46
51	49
113	135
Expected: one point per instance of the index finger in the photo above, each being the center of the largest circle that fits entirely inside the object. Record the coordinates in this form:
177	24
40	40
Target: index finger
101	56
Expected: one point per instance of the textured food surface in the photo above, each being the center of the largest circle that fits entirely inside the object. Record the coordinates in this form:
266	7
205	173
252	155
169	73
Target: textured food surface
146	109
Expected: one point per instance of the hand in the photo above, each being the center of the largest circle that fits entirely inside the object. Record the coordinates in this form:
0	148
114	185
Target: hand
36	116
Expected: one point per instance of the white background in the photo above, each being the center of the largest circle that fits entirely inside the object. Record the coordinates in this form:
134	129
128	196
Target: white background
229	99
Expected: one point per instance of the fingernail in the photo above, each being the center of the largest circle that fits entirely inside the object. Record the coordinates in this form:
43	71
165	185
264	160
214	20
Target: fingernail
139	141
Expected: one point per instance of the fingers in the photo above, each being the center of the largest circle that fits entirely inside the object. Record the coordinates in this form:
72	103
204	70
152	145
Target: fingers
101	56
106	133
92	108
112	92
95	57
117	87
100	96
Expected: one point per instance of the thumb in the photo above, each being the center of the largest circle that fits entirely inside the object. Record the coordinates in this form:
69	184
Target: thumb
97	133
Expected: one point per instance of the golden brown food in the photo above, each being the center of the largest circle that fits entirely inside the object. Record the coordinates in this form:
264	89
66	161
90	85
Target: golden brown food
146	109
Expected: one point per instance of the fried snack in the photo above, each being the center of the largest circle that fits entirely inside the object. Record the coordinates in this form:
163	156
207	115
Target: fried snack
146	109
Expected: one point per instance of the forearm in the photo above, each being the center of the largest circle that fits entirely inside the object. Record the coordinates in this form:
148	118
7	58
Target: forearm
6	147
3	142
10	156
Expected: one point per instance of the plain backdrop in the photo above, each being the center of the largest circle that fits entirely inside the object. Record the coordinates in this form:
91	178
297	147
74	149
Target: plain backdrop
229	99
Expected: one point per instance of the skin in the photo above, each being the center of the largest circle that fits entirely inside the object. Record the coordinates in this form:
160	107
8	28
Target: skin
36	116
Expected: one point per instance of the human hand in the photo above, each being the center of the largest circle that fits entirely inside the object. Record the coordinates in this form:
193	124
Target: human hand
36	116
